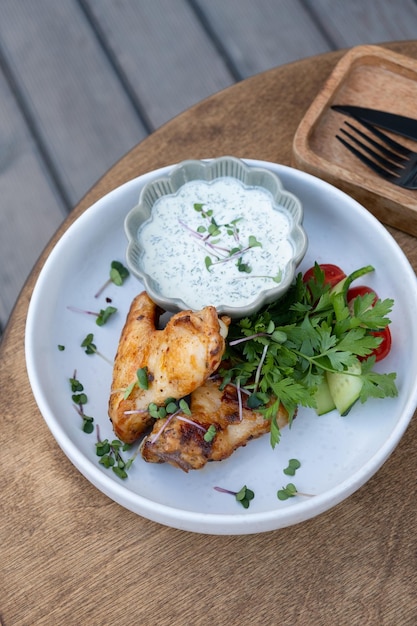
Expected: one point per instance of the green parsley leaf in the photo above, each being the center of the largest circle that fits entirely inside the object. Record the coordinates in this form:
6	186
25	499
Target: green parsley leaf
280	354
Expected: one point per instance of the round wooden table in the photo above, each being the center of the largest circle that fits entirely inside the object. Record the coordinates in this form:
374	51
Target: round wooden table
69	555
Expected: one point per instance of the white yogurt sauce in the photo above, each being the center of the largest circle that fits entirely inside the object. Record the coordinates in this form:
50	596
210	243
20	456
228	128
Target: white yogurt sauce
174	250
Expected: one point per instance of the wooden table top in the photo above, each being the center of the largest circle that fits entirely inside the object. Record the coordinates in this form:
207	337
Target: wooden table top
69	555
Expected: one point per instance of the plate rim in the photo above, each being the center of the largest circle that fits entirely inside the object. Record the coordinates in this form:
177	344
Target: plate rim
184	519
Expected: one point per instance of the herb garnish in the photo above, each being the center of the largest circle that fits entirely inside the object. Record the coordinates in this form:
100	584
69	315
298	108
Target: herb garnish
91	348
101	317
118	275
243	496
79	397
214	238
281	353
111	457
293	466
210	433
140	381
290	491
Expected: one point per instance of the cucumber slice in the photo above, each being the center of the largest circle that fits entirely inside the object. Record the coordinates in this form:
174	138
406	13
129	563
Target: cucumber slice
345	388
324	400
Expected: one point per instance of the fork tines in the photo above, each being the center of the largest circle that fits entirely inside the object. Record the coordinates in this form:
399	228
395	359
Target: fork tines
386	157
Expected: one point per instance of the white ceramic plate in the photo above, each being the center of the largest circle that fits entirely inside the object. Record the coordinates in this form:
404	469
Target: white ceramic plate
337	454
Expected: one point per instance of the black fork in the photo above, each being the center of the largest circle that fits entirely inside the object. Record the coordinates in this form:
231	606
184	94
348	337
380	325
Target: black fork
387	158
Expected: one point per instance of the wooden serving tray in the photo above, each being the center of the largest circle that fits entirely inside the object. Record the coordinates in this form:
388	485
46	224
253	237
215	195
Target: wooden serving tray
368	76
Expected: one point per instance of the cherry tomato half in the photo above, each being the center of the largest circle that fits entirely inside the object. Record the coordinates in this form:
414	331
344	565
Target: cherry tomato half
361	290
385	346
332	274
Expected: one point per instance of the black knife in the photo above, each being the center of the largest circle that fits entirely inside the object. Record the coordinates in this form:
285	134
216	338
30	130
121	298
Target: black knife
399	124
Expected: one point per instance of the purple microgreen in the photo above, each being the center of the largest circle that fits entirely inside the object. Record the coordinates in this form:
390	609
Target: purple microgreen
171	408
111	457
155	437
88	425
91	348
243	496
101	317
105	314
118	275
209	236
260	364
181	418
79	397
239	399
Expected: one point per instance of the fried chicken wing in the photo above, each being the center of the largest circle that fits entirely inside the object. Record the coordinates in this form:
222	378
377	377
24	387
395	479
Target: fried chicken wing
178	359
179	440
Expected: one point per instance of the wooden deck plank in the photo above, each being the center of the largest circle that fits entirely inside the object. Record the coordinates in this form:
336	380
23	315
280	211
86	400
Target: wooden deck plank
87	79
357	22
30	208
82	114
263	34
162	49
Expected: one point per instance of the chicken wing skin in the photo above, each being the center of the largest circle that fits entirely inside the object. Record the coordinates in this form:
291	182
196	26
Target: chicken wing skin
178	358
179	440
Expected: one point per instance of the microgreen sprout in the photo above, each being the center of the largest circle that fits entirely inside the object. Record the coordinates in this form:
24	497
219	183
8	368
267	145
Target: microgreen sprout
118	275
290	491
111	457
210	433
287	492
91	348
293	466
243	496
101	317
170	407
179	410
79	397
210	234
61	348
140	381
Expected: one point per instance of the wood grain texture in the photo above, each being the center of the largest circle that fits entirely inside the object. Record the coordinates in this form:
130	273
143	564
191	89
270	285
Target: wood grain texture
168	60
372	77
91	78
260	35
72	92
354	23
31	208
71	556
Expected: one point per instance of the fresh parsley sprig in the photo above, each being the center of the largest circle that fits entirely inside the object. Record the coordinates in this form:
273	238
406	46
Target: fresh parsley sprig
281	353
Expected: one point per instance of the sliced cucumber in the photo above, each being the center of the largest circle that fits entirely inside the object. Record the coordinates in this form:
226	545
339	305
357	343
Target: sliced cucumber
324	400
345	388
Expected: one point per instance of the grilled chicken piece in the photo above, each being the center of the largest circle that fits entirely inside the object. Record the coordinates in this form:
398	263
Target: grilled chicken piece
179	440
178	358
